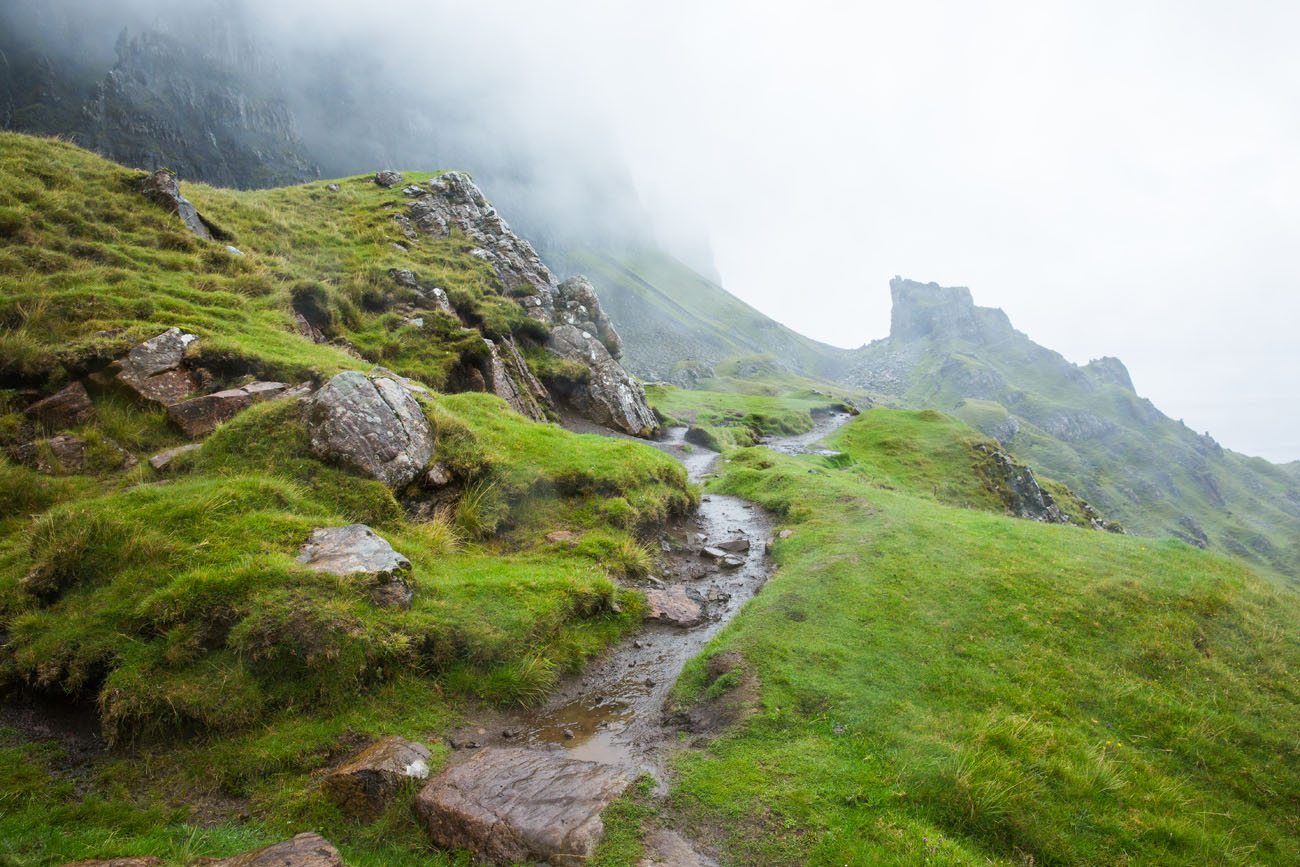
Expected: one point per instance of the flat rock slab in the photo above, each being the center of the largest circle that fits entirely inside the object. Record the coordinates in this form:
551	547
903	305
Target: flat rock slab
733	546
672	606
304	850
358	550
153	369
199	416
163	459
508	805
364	785
66	408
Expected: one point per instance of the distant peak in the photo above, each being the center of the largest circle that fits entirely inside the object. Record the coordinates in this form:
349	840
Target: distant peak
928	309
1110	369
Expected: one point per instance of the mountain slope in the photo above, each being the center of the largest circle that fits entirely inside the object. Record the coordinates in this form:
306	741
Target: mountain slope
678	326
1085	426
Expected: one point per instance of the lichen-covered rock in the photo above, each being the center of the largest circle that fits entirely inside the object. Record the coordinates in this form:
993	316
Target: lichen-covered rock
199	416
610	396
510	805
363	786
154	369
510	379
304	850
370	424
68	407
163	188
357	550
576	304
388	178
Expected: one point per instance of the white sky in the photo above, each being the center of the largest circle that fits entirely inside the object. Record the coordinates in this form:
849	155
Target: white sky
1122	178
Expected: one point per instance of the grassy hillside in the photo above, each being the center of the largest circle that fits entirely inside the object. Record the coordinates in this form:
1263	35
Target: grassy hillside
1085	426
925	683
167	611
675	322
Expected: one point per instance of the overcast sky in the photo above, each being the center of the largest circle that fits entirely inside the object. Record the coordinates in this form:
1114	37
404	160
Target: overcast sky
1122	178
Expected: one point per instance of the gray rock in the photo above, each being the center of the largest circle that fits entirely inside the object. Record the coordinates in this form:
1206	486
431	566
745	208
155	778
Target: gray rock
372	425
360	551
509	805
610	396
388	178
509	378
438	475
735	546
576	304
163	188
1019	490
234	251
163	459
363	786
333	188
674	607
66	408
304	850
154	369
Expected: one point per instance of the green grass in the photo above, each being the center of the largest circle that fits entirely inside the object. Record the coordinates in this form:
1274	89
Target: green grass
948	685
170	606
737	412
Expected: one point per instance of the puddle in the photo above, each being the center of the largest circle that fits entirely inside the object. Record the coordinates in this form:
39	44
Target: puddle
613	711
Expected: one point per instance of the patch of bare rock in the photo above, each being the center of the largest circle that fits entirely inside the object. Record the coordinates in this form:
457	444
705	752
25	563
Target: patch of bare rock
358	551
370	424
509	805
364	785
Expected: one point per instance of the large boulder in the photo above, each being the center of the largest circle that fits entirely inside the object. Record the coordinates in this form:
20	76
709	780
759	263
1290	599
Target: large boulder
304	850
66	408
363	786
510	379
610	396
357	550
370	424
509	805
155	370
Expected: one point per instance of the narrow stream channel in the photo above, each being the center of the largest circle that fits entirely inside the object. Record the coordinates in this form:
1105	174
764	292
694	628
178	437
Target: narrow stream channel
613	711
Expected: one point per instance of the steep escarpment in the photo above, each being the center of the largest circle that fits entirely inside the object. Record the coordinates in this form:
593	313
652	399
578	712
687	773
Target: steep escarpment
1084	425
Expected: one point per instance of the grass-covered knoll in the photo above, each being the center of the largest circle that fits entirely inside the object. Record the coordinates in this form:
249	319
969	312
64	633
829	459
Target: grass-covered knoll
948	685
1085	426
168	608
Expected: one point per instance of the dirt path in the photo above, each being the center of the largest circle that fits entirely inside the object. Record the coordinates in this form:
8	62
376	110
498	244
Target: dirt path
613	711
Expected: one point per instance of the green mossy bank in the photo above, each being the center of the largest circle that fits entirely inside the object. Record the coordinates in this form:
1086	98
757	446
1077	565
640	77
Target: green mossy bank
167	609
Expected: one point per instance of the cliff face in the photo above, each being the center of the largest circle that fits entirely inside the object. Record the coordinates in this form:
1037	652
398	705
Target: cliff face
1083	425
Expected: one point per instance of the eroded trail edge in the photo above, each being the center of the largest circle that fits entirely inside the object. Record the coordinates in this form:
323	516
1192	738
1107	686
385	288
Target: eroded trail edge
613	712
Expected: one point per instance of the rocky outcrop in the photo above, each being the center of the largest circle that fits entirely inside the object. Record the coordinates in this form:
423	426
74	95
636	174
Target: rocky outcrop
508	377
576	304
199	416
370	424
68	407
512	805
163	188
928	309
304	850
388	178
358	551
610	396
155	369
364	785
1020	491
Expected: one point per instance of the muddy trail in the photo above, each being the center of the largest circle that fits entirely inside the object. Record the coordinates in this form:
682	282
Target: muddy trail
613	712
